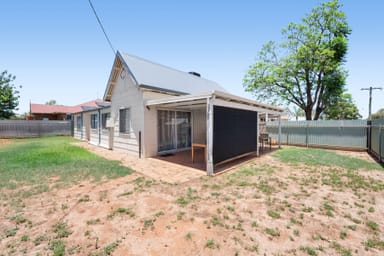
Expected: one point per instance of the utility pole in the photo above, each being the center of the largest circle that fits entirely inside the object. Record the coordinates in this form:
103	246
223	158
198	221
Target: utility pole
370	98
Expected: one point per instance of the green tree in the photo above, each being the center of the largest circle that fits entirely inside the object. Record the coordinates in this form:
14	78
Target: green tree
343	109
9	95
306	69
378	114
51	102
297	112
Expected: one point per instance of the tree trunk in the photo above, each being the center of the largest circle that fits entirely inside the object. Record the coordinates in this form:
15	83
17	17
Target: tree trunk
317	113
308	114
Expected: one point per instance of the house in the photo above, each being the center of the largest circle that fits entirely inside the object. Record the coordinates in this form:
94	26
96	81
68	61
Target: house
57	112
49	112
156	110
90	124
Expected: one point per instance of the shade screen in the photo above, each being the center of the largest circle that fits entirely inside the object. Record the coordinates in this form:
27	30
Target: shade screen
234	132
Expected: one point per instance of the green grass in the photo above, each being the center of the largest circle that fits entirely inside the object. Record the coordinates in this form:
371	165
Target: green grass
272	232
211	244
61	230
34	161
121	210
372	225
58	247
308	250
273	214
322	157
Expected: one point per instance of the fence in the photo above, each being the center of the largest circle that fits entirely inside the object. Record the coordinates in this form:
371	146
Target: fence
377	138
347	134
34	128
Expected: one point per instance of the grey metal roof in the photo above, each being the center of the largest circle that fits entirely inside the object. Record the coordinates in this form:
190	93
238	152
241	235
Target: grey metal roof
156	76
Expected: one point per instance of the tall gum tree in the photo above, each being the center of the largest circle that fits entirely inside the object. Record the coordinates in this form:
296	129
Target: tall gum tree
306	69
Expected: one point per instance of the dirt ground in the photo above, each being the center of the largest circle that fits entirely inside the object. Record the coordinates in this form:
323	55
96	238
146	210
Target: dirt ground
264	208
4	141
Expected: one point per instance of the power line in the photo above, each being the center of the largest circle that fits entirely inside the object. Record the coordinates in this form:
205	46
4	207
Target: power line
102	27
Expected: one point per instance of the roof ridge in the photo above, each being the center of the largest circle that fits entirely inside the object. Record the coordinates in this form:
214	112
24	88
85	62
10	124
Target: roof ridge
165	66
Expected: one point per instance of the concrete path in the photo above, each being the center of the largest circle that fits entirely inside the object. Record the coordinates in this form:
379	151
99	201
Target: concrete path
150	167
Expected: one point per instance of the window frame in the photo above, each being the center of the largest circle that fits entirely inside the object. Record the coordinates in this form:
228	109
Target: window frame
94	121
127	119
104	117
79	122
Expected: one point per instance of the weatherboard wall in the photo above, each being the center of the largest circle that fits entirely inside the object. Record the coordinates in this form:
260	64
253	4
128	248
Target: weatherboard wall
94	132
104	133
127	95
78	133
150	140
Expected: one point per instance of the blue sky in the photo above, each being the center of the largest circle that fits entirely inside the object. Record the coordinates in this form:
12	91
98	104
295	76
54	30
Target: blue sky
57	50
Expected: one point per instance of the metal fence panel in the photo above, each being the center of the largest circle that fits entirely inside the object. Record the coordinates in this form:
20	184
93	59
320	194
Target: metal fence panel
377	138
34	128
332	133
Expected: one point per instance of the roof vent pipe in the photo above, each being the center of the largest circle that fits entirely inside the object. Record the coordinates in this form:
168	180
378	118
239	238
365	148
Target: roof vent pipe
194	73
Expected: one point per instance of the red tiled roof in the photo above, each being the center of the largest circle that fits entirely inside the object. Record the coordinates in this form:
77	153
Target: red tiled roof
56	109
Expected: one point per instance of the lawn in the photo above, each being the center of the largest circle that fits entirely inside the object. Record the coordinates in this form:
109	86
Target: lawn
295	201
36	162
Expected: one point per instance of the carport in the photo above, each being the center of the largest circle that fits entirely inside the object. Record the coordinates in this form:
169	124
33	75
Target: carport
229	124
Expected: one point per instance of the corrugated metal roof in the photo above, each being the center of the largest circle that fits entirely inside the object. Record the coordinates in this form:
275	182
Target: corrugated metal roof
156	76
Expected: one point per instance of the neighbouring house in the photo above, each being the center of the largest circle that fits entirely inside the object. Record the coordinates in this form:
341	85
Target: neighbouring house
156	110
57	112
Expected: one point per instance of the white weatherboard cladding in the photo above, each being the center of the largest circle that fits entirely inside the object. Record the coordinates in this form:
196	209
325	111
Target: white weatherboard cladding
94	133
127	95
78	133
150	122
104	135
150	132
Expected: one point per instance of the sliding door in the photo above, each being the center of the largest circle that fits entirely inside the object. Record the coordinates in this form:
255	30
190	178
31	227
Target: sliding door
183	129
174	130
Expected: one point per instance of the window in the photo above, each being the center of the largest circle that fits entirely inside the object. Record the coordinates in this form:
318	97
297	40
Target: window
125	120
104	118
94	121
78	122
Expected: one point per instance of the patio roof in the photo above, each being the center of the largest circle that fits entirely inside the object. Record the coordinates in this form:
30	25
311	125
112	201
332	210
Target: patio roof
219	98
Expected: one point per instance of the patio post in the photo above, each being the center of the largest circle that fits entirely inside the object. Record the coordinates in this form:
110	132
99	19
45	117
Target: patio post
209	136
257	135
279	131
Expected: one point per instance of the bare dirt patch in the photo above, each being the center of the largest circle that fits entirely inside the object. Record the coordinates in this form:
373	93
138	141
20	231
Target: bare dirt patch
4	142
263	208
357	154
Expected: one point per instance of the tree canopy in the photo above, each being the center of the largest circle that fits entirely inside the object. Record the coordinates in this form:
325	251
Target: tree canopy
378	114
343	109
51	102
9	95
306	69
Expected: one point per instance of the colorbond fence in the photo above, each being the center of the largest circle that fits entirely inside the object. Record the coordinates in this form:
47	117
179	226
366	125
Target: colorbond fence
344	134
348	134
34	128
377	138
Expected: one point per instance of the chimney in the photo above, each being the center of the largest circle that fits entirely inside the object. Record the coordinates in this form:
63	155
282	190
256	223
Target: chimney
194	73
